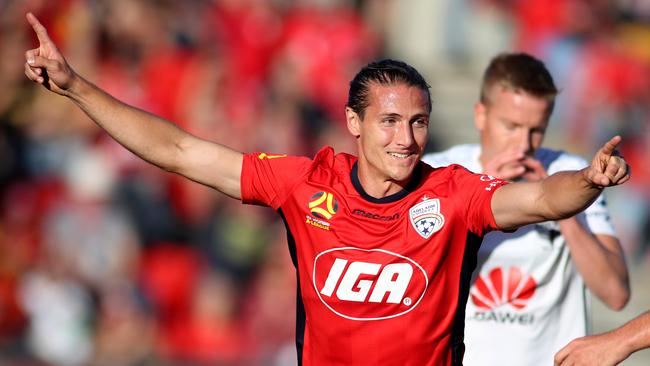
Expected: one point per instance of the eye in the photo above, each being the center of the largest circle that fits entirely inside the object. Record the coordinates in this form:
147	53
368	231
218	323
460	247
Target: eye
510	126
538	131
421	122
389	120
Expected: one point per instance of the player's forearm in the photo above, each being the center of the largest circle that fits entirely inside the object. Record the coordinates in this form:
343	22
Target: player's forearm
564	194
151	138
634	335
559	196
600	261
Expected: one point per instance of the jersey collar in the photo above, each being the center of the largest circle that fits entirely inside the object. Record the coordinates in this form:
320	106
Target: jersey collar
410	187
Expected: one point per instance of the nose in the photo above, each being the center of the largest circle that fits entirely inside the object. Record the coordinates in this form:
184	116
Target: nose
525	137
404	134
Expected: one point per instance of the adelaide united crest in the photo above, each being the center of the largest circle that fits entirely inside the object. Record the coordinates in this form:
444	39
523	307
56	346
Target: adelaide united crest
426	217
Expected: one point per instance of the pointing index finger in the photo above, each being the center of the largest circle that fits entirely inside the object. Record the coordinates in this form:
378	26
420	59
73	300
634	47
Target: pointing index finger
40	30
610	146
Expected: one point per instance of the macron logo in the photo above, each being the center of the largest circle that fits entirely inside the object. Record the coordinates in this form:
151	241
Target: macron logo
500	287
368	284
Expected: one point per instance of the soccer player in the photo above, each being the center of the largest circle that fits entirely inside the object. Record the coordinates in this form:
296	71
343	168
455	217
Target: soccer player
383	244
528	295
610	348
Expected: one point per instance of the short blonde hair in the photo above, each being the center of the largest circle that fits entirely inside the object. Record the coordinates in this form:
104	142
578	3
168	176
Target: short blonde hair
519	72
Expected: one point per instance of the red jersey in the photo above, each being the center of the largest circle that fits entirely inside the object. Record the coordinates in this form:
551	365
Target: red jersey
380	281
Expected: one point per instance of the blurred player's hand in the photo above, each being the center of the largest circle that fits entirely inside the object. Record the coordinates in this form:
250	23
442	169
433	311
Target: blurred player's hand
534	170
608	168
513	165
45	64
597	350
505	165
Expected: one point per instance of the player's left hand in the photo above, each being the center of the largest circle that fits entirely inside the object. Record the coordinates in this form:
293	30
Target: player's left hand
608	168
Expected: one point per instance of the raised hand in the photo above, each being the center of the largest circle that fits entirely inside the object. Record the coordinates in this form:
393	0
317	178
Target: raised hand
45	65
514	164
505	165
608	168
534	170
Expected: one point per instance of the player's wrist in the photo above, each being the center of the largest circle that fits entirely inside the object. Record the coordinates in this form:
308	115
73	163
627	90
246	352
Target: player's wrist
587	174
77	87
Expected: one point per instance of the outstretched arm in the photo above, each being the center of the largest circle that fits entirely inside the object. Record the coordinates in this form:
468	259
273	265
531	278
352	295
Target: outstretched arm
562	194
599	258
607	349
152	138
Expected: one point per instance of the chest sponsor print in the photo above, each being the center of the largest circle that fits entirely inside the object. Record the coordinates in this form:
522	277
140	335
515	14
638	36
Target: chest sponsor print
492	292
426	217
499	288
368	284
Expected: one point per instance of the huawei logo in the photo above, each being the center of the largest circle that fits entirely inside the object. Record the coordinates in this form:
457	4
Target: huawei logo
499	288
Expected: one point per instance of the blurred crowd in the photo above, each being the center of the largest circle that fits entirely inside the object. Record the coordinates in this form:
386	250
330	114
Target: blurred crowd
106	260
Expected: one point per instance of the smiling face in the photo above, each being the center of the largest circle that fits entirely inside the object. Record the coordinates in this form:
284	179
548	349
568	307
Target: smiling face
391	137
511	120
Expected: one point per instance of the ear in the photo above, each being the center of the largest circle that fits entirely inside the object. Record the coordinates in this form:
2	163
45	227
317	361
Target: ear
353	122
480	115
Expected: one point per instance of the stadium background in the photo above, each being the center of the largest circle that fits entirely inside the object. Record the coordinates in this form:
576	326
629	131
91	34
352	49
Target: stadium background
105	260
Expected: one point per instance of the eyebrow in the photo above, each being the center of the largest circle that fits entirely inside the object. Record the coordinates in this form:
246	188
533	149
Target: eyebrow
521	124
419	115
506	120
390	115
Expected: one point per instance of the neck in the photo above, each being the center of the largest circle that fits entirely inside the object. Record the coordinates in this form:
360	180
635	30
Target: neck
378	187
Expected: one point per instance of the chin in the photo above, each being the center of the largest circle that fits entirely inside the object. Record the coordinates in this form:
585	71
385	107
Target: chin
403	175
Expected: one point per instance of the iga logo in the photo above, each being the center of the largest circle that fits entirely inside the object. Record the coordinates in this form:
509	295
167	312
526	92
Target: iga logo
499	288
368	284
323	205
426	217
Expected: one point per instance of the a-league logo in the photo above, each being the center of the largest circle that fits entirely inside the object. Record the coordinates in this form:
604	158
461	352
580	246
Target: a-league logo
426	217
323	205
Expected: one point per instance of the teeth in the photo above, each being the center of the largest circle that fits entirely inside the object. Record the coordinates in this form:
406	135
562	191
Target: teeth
401	156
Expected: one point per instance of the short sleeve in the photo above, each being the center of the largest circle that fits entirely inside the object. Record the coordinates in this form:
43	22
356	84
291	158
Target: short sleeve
597	218
267	179
474	196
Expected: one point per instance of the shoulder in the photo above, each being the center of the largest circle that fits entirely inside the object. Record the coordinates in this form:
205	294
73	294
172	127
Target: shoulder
327	158
327	166
295	165
459	154
449	176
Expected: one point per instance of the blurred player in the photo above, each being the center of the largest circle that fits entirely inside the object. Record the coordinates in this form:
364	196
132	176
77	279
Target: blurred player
528	295
383	244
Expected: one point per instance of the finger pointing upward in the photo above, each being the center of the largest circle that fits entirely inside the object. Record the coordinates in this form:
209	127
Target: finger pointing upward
40	30
609	147
45	64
